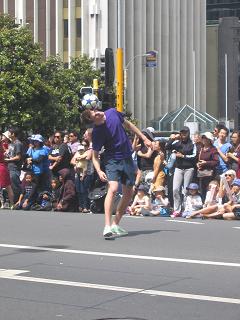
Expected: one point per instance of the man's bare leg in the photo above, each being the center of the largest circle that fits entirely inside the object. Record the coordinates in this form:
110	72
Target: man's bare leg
127	192
112	190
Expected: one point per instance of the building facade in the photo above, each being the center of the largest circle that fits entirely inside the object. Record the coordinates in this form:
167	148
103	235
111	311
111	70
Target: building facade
173	28
217	9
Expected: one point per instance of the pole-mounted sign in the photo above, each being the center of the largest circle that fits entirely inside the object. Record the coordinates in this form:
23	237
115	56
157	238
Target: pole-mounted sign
151	59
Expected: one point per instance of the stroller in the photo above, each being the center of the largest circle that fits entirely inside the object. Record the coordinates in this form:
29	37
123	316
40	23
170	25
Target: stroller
97	197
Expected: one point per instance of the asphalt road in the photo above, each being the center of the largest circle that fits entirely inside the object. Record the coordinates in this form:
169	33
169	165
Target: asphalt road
58	266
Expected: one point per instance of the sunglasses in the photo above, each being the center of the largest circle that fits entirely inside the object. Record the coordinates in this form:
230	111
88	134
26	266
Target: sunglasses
57	137
228	175
71	135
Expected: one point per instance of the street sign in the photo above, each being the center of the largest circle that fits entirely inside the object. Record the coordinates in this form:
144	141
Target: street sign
151	59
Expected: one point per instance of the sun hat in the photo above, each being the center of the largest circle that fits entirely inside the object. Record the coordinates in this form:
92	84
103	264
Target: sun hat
148	134
151	129
142	188
193	186
209	136
7	134
36	137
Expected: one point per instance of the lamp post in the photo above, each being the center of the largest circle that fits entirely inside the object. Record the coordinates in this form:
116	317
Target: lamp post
126	70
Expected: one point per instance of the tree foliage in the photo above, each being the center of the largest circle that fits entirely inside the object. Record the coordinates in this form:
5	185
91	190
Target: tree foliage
38	94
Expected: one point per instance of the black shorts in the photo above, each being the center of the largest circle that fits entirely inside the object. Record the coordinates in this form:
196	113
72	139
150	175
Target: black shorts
123	171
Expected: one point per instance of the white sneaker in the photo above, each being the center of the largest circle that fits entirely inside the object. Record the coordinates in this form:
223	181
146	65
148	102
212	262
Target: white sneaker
116	229
107	232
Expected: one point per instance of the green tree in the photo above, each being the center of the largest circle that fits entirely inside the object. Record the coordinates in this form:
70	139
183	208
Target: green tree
35	94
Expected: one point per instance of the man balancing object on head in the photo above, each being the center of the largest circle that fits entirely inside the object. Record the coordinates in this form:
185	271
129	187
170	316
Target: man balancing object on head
109	132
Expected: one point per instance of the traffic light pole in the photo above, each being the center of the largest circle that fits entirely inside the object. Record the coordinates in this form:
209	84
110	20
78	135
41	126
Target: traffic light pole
119	61
120	79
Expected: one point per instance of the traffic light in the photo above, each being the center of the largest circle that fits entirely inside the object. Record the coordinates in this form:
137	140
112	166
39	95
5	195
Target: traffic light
102	68
107	68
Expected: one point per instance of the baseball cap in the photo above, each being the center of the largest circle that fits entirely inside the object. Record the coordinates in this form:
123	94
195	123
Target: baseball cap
193	186
236	182
208	135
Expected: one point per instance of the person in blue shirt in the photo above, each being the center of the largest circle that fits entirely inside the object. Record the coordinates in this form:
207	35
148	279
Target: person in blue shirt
223	147
36	155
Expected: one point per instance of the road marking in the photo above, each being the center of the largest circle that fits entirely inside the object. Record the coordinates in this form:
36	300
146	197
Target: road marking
236	227
181	221
120	255
13	275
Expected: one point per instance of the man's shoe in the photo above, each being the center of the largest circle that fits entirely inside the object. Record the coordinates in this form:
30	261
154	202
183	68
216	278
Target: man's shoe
118	230
107	232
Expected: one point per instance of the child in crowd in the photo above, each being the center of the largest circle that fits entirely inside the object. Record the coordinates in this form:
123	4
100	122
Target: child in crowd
44	202
210	200
231	209
193	200
79	161
67	201
141	203
160	205
29	193
55	192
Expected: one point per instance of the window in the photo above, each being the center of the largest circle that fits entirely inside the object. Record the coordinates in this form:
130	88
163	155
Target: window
78	28
65	28
65	3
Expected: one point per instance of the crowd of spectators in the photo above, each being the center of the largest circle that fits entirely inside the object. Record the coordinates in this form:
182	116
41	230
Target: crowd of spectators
181	176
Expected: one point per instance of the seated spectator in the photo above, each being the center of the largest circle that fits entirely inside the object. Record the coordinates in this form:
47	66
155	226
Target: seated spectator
141	203
68	199
55	192
43	203
225	184
160	205
193	200
29	193
231	209
210	200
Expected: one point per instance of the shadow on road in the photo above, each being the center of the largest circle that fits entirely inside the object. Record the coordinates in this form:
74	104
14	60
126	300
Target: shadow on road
137	233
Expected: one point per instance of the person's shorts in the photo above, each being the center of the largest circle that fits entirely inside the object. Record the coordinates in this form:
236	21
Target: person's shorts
123	171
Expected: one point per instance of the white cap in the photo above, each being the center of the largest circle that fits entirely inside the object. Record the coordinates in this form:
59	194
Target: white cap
151	129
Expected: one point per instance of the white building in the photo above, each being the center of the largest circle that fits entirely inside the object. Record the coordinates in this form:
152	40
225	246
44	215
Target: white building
174	28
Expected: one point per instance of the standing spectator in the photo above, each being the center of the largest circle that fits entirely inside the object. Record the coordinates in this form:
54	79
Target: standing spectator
146	155
234	153
223	147
14	161
158	166
207	162
73	141
5	181
36	155
60	156
184	166
217	129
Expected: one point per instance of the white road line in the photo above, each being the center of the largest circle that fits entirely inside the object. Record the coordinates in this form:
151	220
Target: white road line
236	227
120	255
187	222
12	275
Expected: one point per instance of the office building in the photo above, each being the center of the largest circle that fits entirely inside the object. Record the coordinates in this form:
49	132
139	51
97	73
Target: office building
175	29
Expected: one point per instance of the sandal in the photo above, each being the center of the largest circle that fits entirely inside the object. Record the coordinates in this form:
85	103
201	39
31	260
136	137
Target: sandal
85	210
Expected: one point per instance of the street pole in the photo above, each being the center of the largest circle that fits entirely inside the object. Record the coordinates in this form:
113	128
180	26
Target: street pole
194	85
119	61
226	90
